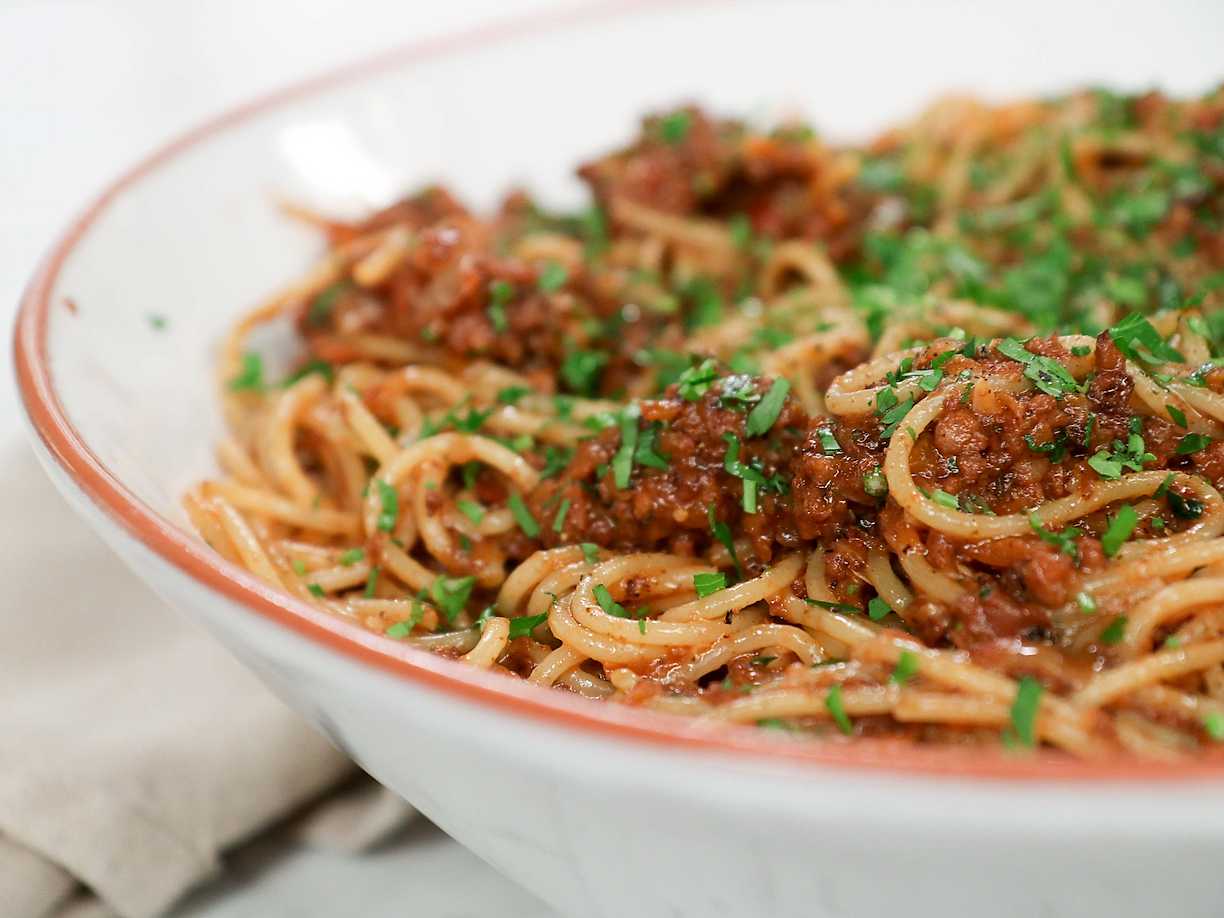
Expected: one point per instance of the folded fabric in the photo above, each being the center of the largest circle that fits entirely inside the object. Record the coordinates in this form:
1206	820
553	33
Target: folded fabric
133	749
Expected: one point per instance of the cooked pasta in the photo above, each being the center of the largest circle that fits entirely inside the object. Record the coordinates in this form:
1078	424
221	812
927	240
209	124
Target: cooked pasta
918	438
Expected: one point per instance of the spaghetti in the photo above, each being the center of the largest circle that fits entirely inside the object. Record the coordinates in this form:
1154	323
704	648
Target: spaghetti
920	438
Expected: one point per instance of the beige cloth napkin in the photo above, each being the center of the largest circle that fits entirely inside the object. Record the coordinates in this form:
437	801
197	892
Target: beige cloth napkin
133	749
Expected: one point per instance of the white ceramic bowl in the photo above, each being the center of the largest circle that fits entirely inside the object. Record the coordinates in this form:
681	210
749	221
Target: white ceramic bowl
602	811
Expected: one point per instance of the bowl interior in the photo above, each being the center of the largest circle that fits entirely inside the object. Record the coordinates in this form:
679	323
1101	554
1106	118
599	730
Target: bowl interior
169	260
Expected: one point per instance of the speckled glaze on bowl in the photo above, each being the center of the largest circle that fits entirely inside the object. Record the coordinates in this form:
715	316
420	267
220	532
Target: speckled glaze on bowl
600	810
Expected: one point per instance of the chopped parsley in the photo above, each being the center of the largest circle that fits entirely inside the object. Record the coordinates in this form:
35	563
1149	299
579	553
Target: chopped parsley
707	308
352	556
1178	416
469	422
1110	463
319	312
581	370
1064	541
722	532
1055	449
1024	709
322	367
906	668
500	294
944	499
552	277
371	583
451	594
753	478
891	410
1192	443
511	395
1136	337
1086	603
315	590
696	381
1213	726
708	582
1119	529
1046	373
590	552
485	614
740	228
607	603
1114	631
766	412
559	520
525	624
877	608
399	630
388	501
773	723
645	452
622	462
250	377
833	701
875	483
675	127
1186	508
828	442
522	515
556	458
843	607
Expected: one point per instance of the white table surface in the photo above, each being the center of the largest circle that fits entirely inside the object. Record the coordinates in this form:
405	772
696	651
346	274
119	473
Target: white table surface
86	88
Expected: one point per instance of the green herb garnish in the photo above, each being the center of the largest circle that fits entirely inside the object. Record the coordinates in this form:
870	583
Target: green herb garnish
1046	373
1114	631
607	603
708	582
451	594
522	515
1024	713
559	519
1213	726
675	127
1119	529
1192	443
511	395
622	462
388	500
250	377
525	624
1136	337
552	277
352	556
500	294
696	381
875	483
1064	541
833	701
906	668
766	412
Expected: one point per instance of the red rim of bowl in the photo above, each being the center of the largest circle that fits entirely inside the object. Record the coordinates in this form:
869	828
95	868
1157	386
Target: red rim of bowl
415	666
